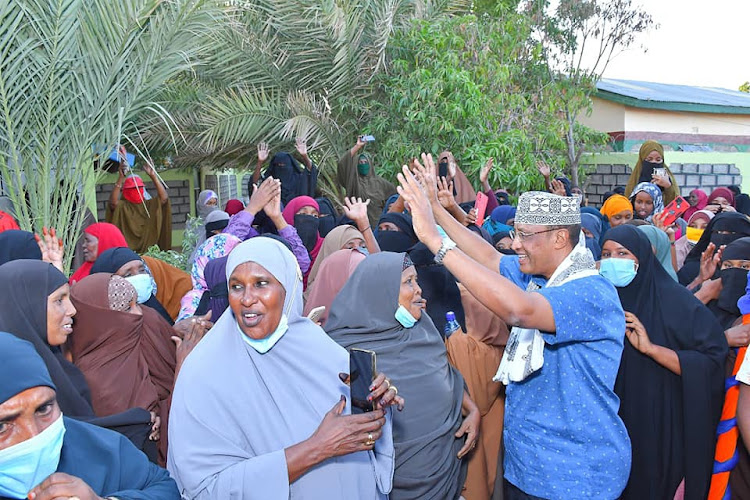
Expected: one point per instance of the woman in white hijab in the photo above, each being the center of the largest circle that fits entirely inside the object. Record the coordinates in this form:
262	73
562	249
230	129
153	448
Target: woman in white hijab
260	410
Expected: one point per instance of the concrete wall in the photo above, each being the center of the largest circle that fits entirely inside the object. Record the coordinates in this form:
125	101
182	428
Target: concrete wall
691	170
181	191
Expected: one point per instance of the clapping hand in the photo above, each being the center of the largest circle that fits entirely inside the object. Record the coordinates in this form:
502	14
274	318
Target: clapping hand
263	194
445	193
415	194
51	247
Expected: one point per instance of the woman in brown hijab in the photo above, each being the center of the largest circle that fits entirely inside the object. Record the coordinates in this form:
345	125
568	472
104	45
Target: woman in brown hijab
477	355
124	351
171	284
651	157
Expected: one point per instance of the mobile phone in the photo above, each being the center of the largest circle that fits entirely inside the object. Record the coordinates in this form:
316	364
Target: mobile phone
661	172
674	210
481	207
130	157
362	371
316	314
367	138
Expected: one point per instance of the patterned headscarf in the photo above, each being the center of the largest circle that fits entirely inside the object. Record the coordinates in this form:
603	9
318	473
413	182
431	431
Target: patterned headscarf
121	293
655	193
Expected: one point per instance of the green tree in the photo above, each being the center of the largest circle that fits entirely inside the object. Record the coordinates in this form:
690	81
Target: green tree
745	87
76	78
279	69
580	38
479	87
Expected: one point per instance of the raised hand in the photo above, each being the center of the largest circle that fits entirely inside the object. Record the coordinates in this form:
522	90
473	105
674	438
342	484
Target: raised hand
301	144
148	168
356	209
484	174
419	203
273	207
658	220
543	168
710	260
558	188
51	247
427	176
445	193
263	152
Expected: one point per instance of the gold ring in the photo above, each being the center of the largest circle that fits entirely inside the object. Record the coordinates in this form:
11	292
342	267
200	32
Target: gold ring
394	389
389	383
369	443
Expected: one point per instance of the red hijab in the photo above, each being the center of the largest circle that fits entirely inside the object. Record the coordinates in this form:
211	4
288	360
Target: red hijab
722	192
702	202
233	207
109	236
132	189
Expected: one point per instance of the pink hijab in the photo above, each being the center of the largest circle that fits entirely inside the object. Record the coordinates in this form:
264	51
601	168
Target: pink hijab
332	276
291	209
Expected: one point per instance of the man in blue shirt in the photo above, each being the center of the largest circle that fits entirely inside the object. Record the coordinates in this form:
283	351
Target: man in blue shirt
563	437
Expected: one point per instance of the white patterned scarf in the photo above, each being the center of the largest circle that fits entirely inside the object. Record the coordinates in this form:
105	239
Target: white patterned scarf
524	353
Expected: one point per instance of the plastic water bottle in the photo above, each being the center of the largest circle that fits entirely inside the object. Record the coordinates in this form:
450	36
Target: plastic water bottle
451	325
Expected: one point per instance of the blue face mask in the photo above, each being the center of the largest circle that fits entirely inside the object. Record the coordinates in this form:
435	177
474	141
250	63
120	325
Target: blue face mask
25	465
619	272
265	344
143	285
404	317
363	250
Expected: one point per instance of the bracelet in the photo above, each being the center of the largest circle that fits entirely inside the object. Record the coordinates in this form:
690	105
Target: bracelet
365	229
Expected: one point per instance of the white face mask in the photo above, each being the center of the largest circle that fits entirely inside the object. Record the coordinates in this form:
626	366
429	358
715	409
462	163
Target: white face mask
265	344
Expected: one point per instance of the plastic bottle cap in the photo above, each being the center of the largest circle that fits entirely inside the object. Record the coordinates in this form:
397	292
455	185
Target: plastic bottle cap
450	316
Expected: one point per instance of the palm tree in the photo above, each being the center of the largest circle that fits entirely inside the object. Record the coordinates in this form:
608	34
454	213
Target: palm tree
76	79
279	69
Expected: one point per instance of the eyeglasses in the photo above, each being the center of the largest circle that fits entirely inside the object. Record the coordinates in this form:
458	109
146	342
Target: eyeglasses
525	236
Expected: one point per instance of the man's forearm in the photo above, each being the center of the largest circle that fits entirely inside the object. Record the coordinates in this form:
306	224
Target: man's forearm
469	242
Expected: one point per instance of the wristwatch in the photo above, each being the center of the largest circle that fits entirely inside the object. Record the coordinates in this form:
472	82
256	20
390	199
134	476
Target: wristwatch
448	245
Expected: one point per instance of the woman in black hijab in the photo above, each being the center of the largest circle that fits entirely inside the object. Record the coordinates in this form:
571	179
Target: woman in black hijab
670	398
126	263
25	290
722	230
16	244
395	233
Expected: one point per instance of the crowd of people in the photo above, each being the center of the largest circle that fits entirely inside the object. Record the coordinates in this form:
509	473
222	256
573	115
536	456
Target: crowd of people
550	350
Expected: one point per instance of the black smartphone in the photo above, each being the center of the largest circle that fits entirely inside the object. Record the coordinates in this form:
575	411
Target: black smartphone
362	371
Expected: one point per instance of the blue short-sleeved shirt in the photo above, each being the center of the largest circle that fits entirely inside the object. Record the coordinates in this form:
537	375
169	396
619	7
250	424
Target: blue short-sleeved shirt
563	436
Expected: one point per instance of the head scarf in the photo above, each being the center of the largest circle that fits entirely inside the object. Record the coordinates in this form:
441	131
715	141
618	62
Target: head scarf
21	368
721	192
662	248
224	377
667	415
415	360
133	190
335	241
201	203
503	213
706	215
113	259
295	205
462	189
234	206
331	277
439	287
108	236
216	281
17	244
615	204
702	203
216	221
593	224
213	248
396	241
735	224
24	288
654	192
120	293
495	228
7	222
733	281
643	173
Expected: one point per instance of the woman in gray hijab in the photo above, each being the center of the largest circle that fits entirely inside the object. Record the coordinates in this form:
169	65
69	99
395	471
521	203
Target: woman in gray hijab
259	410
427	436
